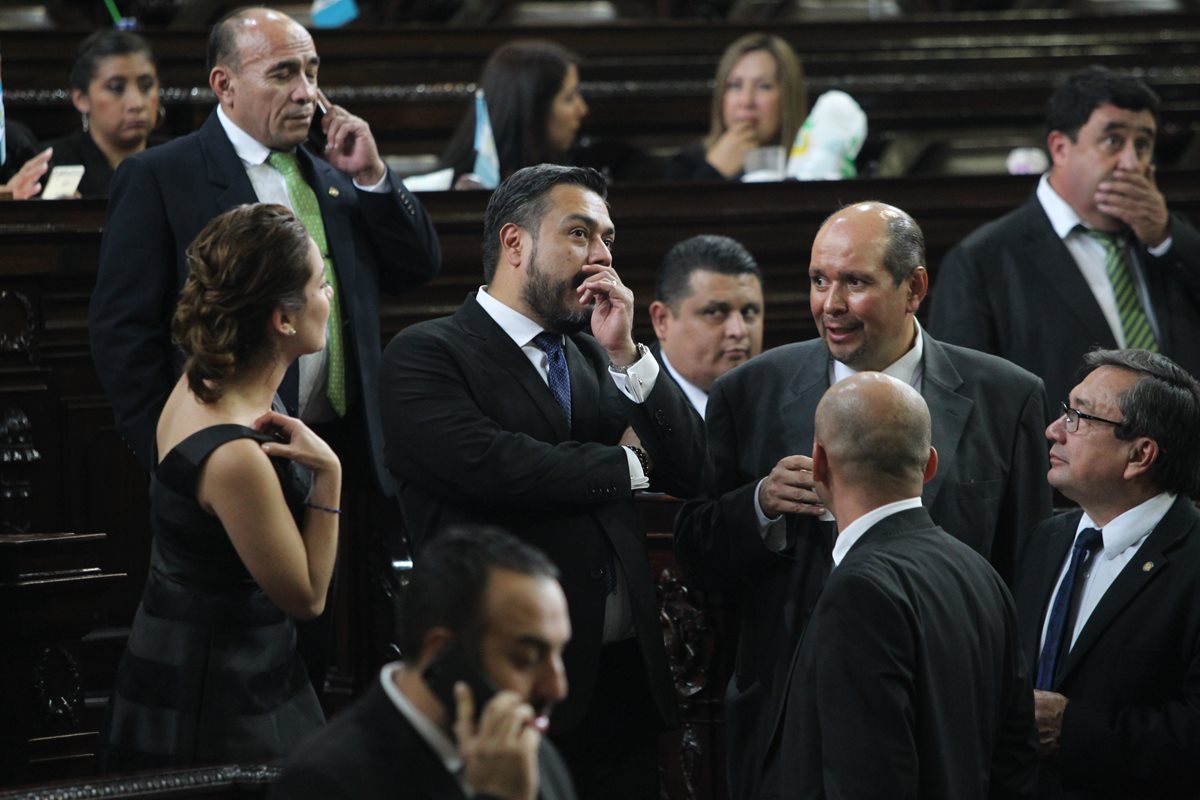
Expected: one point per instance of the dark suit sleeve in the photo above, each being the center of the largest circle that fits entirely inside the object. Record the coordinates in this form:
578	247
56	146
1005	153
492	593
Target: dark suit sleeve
672	434
1027	497
129	319
402	236
1154	745
439	436
960	313
1182	260
864	688
717	541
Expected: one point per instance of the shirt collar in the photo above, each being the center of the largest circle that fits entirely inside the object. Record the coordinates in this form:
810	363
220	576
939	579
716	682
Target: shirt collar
432	734
1062	217
906	368
520	328
249	150
697	396
855	530
1131	527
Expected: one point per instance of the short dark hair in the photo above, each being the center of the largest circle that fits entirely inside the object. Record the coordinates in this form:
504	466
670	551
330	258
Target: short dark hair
1164	405
101	45
707	252
521	199
1086	90
449	577
223	39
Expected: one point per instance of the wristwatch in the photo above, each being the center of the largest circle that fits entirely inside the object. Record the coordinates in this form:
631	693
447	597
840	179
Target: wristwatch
642	351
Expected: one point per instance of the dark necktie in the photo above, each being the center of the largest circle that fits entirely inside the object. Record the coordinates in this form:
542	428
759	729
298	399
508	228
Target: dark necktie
557	375
1058	634
1134	324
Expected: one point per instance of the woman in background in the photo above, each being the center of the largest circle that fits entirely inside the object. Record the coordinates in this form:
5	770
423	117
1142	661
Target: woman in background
759	100
532	92
114	86
244	509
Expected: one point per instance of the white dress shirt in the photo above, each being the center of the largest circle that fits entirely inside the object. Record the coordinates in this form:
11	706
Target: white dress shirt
695	395
1122	536
1091	259
855	530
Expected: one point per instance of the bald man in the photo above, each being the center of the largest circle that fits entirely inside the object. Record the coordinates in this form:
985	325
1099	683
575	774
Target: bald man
909	681
762	532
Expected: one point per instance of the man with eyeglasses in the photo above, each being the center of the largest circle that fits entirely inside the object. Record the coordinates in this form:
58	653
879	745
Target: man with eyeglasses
1108	596
1091	259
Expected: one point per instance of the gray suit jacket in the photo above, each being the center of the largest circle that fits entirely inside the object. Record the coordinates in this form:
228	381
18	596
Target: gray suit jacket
1013	289
990	489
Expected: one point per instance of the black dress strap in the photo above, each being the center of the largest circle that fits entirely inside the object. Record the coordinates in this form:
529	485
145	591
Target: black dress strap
179	469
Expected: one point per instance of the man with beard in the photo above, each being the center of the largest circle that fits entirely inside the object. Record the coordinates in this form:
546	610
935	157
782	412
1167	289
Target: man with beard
479	600
761	530
508	413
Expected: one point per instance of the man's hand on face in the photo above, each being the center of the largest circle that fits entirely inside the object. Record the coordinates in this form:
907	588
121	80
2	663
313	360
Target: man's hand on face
612	316
351	147
1134	198
788	489
499	752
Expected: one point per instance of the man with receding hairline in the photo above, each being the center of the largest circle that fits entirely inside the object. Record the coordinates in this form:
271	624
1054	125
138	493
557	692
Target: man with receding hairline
761	530
909	681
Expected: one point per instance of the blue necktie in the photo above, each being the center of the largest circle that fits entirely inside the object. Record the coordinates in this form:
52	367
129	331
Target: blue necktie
1087	542
558	377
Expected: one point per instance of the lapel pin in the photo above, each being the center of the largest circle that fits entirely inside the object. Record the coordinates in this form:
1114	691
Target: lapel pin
333	192
1149	565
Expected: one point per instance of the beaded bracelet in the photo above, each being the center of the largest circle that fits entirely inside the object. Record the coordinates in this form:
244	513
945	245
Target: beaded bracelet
324	508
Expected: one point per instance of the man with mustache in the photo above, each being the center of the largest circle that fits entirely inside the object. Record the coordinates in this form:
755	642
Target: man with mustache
761	531
707	312
1092	259
495	604
509	413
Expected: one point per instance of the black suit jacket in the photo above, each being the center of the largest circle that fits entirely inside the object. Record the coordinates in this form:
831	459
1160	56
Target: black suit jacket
473	434
372	752
989	490
1132	680
1013	289
909	680
163	197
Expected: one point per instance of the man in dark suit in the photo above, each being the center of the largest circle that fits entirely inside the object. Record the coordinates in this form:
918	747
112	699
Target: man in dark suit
707	312
909	680
1107	595
507	412
759	530
479	601
1039	286
263	69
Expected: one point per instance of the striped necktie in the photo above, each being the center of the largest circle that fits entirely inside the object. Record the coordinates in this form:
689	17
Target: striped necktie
304	204
1134	324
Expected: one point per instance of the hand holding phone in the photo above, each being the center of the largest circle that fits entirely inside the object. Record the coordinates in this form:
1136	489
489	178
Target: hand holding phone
449	667
316	129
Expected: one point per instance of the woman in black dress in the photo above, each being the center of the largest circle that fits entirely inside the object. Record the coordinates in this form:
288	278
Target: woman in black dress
244	511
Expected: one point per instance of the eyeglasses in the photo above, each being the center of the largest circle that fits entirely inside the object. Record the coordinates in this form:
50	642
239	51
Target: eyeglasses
1073	416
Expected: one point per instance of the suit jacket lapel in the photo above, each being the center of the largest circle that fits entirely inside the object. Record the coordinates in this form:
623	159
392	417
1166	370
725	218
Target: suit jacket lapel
1147	564
502	352
1061	274
585	394
948	411
338	232
1056	547
225	170
803	393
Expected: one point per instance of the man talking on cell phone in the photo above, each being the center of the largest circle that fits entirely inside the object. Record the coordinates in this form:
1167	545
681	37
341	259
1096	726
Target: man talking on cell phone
483	609
374	235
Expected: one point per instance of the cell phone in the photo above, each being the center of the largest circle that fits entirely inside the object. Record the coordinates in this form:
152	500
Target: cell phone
454	664
316	133
63	181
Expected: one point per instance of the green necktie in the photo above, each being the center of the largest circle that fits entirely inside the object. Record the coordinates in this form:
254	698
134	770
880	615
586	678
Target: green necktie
1138	333
304	204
